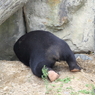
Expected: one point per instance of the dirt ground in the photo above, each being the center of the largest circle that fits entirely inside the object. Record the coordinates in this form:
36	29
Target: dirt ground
17	79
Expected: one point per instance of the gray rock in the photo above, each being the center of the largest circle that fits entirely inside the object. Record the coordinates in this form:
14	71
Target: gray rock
45	15
83	57
10	31
9	7
71	20
73	6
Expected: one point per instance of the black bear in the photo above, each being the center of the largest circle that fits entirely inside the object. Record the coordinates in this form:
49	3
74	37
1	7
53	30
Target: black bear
38	48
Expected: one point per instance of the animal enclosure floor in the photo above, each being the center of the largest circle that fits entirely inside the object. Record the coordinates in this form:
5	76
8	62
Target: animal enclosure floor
17	79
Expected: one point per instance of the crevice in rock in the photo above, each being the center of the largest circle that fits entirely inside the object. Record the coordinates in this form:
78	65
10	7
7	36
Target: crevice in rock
94	34
24	20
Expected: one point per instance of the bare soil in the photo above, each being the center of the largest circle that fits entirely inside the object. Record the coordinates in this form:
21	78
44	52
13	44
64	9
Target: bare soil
17	79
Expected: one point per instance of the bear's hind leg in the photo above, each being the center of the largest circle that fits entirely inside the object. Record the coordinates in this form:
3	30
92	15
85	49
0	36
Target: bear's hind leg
73	66
37	70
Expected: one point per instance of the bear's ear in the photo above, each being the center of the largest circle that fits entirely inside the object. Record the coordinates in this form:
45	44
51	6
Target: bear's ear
52	75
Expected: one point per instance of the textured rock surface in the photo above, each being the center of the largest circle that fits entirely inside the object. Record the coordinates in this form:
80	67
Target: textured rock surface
46	14
71	20
10	31
8	7
81	35
83	57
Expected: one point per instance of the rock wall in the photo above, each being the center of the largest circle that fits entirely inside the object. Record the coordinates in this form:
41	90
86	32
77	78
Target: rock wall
8	7
71	20
10	31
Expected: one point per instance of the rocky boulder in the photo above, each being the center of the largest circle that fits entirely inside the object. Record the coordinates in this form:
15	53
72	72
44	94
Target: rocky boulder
71	20
10	31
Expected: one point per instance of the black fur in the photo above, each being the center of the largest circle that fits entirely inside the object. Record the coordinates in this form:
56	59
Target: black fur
38	48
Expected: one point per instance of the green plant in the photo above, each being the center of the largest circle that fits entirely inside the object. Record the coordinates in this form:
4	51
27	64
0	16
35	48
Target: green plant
74	93
87	85
45	73
57	91
45	77
53	85
84	92
70	88
93	90
65	80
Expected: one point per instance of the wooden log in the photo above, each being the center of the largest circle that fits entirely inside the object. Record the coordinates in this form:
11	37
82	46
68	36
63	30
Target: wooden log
8	7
